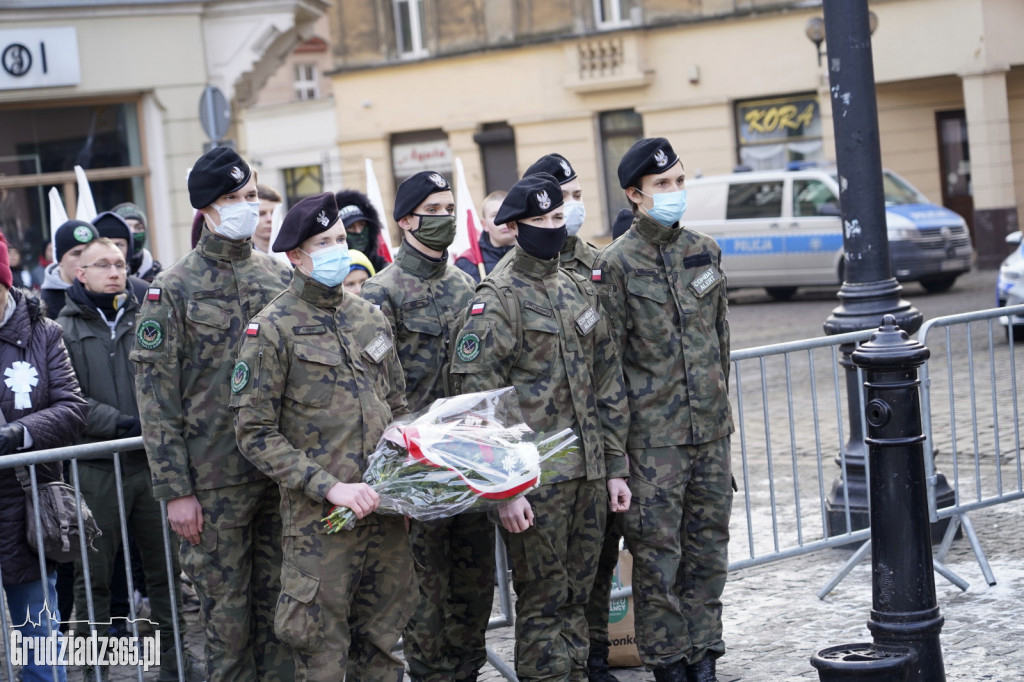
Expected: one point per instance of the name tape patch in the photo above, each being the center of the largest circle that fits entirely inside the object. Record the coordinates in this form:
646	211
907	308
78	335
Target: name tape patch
309	330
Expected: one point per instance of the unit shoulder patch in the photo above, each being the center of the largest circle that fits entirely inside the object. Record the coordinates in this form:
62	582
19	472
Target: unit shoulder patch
150	334
239	376
468	347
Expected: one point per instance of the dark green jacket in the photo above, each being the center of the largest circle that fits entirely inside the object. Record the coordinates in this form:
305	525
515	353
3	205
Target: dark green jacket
105	374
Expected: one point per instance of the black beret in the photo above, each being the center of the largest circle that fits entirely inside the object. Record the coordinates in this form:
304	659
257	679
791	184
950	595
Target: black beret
71	234
555	165
534	195
112	226
649	156
415	189
218	172
307	218
622	223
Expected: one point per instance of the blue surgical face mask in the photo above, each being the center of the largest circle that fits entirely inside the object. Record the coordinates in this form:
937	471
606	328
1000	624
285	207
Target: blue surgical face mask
668	208
575	214
330	265
239	220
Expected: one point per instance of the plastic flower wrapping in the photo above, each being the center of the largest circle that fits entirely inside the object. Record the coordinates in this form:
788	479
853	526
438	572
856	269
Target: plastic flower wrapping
467	452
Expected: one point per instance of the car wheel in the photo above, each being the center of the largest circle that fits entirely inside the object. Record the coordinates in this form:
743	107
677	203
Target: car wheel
937	285
1014	333
781	293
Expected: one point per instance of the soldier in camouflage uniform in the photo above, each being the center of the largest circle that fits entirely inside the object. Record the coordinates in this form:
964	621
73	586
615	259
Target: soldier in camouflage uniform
421	297
665	293
189	331
538	328
316	383
578	256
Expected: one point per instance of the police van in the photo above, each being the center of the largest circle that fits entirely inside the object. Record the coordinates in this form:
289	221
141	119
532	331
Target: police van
781	230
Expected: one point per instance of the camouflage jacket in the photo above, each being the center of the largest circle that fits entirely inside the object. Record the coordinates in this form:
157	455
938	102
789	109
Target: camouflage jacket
421	299
665	294
187	337
578	256
535	326
315	384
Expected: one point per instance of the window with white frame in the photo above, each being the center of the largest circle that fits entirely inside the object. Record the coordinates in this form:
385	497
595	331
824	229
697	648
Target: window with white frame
306	86
409	28
613	13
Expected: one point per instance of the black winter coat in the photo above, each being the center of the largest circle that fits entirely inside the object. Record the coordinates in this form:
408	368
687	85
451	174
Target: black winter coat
56	418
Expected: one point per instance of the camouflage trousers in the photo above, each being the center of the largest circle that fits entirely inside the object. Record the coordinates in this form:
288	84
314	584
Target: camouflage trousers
677	529
553	567
344	600
600	594
236	570
445	639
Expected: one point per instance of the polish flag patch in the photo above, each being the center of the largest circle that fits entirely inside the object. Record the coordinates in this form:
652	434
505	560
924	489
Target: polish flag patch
253	330
153	294
595	275
477	309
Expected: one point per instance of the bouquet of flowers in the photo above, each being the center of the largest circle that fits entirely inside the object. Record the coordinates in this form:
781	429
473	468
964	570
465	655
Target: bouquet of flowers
467	451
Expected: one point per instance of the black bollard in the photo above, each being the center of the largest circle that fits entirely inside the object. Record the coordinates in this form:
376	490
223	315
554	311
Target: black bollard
904	609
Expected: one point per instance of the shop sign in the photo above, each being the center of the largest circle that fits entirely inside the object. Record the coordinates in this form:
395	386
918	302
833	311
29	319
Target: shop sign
413	157
778	120
38	58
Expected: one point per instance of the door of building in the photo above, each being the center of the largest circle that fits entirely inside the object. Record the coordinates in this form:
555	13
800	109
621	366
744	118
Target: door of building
955	166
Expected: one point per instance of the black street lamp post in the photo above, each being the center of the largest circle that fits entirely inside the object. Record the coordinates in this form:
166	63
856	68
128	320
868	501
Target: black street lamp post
869	291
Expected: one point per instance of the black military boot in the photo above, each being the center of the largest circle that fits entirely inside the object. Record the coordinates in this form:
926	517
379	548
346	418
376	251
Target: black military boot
597	665
702	671
674	672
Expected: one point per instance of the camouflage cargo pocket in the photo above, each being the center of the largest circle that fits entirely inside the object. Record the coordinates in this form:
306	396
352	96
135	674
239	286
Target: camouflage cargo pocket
650	513
540	344
312	375
297	620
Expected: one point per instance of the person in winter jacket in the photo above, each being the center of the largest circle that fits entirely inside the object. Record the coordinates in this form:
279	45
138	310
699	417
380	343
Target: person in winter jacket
141	262
362	224
68	243
42	408
99	325
495	240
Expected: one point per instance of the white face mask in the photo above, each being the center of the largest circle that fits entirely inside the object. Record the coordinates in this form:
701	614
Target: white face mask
575	214
238	221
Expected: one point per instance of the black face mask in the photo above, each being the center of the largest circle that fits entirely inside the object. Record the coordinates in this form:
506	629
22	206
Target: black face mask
359	241
541	242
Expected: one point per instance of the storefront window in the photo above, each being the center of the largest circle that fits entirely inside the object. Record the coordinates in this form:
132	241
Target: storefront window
302	182
619	131
772	133
39	149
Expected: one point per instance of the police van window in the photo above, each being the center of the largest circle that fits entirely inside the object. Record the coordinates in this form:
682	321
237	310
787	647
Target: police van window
809	196
754	200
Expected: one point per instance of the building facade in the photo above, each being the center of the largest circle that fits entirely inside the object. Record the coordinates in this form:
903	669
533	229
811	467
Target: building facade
115	87
730	82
